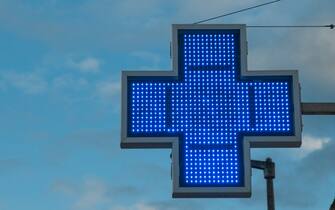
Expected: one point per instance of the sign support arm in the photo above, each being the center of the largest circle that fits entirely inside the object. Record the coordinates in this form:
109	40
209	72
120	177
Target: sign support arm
318	108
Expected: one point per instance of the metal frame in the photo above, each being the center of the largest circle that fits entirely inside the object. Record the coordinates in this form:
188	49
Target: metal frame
248	141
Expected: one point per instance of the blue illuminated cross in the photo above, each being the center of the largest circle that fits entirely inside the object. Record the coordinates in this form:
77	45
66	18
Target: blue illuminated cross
210	107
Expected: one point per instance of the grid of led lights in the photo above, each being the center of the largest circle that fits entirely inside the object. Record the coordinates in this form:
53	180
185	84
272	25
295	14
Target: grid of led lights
210	108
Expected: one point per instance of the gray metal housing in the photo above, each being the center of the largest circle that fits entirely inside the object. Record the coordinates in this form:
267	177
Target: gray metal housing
248	141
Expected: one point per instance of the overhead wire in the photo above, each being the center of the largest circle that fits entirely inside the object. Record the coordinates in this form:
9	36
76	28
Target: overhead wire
330	26
238	11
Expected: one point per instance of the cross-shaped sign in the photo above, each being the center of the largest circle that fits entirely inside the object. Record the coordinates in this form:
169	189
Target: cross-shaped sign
210	110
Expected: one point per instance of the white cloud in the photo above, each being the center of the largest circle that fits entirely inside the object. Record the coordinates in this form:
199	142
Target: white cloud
93	194
29	83
107	90
161	205
137	10
64	188
137	206
142	206
148	56
311	144
65	81
86	65
109	93
151	60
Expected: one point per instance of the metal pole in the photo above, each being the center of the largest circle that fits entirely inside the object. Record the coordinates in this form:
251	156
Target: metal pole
269	175
318	108
268	167
270	194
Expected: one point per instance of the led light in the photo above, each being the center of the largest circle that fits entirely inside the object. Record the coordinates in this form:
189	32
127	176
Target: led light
212	107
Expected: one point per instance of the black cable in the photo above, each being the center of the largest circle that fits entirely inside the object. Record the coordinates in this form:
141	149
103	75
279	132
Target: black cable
331	26
231	13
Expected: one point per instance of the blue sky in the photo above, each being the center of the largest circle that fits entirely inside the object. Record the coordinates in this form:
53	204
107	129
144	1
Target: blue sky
60	72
